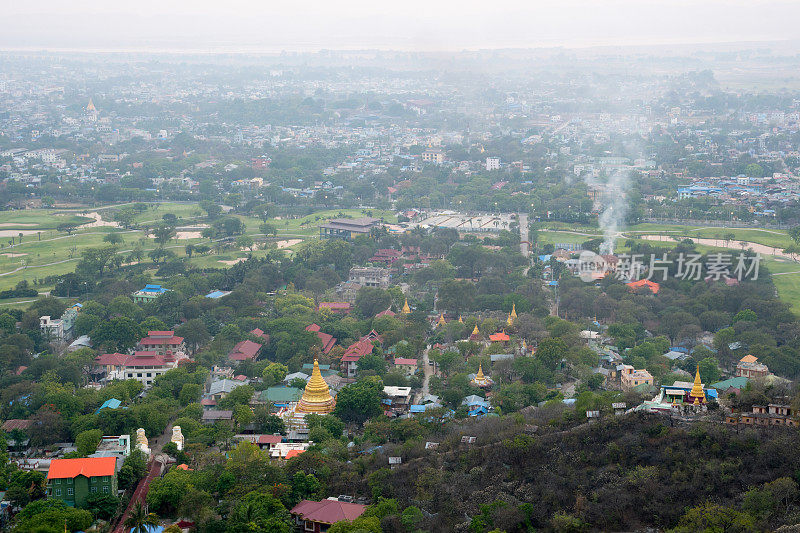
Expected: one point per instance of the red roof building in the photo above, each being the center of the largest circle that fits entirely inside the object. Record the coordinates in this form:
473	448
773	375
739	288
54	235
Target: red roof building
316	517
162	342
16	423
386	256
144	366
328	341
258	332
357	350
388	312
244	350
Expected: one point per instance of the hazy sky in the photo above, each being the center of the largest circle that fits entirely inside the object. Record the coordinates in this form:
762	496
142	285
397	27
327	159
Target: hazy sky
226	25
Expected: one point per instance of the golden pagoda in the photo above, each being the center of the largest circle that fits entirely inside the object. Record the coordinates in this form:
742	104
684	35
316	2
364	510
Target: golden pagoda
441	321
698	395
406	308
480	379
316	398
524	347
509	320
514	311
476	334
460	320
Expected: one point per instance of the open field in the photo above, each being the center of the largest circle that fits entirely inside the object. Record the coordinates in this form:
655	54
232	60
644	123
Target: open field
52	252
39	219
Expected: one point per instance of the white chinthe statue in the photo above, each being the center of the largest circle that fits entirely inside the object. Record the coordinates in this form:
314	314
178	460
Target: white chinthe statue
177	437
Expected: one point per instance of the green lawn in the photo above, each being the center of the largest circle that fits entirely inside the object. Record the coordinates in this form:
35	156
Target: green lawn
39	219
53	253
776	238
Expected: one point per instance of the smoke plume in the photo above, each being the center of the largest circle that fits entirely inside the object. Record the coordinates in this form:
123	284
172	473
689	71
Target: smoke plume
616	207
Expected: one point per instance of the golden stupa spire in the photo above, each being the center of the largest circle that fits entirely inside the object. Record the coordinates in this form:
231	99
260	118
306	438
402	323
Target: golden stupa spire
480	378
698	394
509	320
461	320
475	330
513	310
441	321
406	308
524	346
316	398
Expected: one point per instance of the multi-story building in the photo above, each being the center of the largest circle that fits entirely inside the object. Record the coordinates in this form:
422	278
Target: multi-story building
149	293
143	366
370	276
771	415
60	329
72	480
433	156
630	378
492	163
162	343
749	367
347	228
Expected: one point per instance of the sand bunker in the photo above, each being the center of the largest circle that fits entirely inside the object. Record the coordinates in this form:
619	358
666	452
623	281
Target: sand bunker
16	232
7	254
287	243
16	224
233	261
98	221
722	243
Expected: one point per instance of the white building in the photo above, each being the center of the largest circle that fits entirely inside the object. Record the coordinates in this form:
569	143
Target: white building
492	163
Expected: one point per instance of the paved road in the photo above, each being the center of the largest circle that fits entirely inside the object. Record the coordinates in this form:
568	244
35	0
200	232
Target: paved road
427	369
524	247
153	471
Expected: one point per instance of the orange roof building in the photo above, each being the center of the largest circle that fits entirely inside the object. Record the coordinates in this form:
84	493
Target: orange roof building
501	336
70	480
652	285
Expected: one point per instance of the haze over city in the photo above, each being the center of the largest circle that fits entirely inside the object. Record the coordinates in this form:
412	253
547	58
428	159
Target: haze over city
309	25
399	267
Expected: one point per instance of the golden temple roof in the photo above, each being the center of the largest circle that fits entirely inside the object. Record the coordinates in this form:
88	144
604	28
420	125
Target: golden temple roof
475	331
406	308
316	398
697	392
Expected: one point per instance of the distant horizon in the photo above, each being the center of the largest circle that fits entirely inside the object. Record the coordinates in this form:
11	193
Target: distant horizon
250	26
279	51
